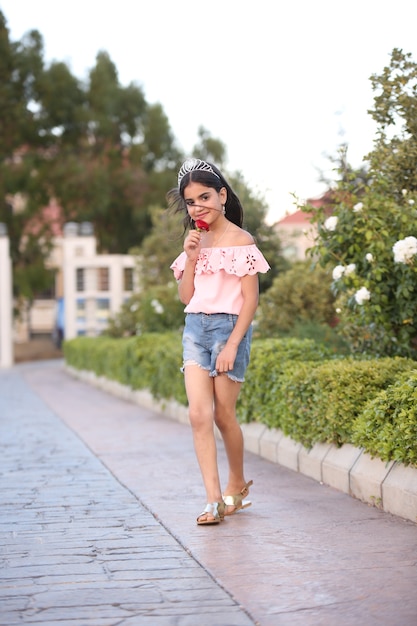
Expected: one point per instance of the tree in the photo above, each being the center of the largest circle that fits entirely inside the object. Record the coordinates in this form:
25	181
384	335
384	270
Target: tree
209	148
394	157
301	295
98	148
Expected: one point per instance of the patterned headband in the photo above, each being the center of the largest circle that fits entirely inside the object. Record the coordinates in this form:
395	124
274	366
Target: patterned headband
190	165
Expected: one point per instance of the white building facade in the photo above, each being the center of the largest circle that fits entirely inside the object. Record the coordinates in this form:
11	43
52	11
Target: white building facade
6	301
94	286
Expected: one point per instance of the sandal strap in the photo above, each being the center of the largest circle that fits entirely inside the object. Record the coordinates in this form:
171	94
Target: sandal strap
216	509
236	499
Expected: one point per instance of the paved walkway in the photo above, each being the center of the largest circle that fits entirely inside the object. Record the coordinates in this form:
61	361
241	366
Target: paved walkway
98	503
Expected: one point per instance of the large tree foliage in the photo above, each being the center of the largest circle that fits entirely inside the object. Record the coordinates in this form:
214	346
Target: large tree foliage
57	131
370	241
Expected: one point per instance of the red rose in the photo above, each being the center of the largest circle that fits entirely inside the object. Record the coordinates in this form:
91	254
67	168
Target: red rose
201	225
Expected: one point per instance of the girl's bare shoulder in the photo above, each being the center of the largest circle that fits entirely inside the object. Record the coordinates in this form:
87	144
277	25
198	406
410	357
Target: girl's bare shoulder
241	237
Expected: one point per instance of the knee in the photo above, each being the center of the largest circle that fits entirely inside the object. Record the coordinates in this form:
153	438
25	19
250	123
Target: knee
200	420
224	420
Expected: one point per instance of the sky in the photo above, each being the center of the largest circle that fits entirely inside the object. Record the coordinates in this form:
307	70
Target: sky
281	84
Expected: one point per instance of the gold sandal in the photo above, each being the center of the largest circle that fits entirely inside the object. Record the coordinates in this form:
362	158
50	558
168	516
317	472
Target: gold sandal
237	500
216	510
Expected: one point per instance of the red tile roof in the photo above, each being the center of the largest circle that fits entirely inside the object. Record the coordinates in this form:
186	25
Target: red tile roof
299	217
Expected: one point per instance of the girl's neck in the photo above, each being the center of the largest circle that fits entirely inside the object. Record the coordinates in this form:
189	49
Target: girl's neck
219	232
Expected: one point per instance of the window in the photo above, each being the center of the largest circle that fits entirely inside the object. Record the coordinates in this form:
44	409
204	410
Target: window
103	279
80	279
103	304
102	310
128	279
80	311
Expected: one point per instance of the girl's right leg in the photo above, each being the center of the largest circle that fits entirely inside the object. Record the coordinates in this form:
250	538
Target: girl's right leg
200	394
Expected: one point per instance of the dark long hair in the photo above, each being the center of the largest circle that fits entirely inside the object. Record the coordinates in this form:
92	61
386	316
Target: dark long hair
176	202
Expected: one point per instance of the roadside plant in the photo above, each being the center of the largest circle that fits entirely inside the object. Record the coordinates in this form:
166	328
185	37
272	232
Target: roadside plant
372	254
368	237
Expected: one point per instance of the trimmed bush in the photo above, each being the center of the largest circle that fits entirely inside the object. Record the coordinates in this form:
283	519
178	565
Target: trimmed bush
387	427
295	385
150	361
270	359
320	403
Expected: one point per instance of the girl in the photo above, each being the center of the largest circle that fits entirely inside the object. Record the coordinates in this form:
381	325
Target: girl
218	283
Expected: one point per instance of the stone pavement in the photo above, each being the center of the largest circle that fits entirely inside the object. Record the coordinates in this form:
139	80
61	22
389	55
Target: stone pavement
98	503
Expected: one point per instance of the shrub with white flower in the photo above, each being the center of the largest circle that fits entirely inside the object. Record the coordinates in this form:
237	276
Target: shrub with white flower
331	223
405	249
373	263
157	307
338	272
362	295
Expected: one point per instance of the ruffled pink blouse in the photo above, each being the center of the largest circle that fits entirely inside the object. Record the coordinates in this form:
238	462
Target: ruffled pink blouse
218	274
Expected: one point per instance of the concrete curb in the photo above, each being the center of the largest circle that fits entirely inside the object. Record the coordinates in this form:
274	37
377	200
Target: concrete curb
391	487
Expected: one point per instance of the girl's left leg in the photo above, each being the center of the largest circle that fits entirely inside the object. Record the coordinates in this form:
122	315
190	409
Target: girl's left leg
226	392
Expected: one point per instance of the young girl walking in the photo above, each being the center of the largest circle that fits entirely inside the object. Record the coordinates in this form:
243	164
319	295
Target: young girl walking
218	283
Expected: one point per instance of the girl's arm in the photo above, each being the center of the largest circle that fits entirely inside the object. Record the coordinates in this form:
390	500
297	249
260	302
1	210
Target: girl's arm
250	292
186	284
192	249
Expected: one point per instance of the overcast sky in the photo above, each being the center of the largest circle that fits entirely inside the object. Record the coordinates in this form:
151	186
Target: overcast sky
282	84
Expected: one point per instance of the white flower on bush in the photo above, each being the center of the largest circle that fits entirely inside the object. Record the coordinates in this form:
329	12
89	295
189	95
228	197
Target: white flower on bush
369	257
404	192
134	307
338	272
331	223
362	295
338	310
405	249
350	269
358	207
157	306
411	201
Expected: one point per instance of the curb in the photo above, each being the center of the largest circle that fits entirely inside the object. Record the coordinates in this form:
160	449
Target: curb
391	486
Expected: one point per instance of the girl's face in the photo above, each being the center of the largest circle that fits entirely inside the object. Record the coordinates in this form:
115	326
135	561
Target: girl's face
204	203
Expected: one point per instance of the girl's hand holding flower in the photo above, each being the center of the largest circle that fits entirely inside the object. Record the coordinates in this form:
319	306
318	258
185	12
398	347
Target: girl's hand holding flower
193	240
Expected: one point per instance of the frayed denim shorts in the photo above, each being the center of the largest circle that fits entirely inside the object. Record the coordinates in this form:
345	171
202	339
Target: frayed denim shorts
206	335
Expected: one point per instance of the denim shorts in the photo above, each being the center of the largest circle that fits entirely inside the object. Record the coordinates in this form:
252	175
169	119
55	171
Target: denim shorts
206	335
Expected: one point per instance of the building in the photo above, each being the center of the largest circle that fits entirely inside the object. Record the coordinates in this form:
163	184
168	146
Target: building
93	286
296	231
89	288
297	234
6	300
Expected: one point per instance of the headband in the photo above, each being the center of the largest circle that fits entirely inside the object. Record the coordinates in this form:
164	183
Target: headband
191	165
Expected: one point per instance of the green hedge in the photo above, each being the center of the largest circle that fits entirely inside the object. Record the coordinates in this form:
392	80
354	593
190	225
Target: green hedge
320	403
270	359
150	361
291	384
387	427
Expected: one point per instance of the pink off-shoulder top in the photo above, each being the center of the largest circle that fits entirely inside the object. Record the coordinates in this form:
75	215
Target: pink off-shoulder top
218	274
